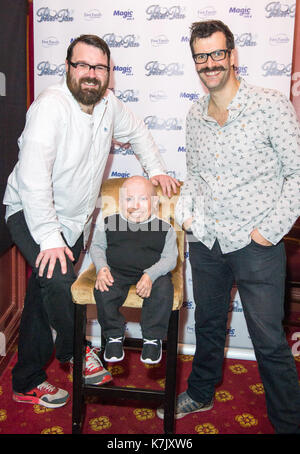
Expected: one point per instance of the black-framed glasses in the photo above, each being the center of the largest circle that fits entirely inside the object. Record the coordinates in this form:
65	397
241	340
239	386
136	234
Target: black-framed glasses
85	67
216	55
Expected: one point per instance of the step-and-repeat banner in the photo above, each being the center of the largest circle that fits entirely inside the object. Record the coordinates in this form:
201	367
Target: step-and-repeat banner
153	73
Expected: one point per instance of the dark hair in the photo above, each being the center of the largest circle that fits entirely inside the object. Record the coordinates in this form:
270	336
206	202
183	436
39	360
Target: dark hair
204	29
91	40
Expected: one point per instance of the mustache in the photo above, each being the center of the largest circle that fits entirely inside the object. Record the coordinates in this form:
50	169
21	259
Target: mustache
208	70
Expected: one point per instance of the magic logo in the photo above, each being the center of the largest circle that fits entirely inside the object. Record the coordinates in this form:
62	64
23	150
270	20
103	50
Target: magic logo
242	12
126	70
128	15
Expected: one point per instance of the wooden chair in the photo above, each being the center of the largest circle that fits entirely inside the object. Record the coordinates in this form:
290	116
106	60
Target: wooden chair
82	293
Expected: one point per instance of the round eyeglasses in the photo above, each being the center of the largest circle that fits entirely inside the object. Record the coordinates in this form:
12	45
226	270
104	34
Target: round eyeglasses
216	55
85	67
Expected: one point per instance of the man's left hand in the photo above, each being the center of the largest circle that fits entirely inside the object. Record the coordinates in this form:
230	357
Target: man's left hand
258	238
144	286
167	183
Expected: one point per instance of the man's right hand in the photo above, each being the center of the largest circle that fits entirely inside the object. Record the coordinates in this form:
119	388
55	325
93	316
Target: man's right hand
104	279
49	256
187	224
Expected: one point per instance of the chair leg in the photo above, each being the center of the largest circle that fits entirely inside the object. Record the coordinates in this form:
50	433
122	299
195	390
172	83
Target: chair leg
171	364
79	358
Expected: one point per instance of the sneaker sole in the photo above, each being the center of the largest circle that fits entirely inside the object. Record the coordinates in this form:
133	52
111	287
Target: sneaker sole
101	380
160	412
113	359
37	401
150	361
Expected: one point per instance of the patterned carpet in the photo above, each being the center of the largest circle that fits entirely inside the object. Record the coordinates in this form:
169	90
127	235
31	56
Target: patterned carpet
239	406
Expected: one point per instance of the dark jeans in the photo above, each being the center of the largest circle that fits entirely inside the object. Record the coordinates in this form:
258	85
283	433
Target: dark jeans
259	273
48	303
156	309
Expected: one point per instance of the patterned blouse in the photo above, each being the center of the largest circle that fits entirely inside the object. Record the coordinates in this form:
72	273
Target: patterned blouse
244	174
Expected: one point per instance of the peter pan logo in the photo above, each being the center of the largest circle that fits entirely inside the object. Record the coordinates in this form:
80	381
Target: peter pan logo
245	40
170	124
278	9
119	150
121	41
46	15
154	68
47	69
127	95
273	68
157	12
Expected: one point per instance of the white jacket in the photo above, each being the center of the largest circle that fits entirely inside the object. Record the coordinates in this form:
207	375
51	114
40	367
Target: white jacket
63	153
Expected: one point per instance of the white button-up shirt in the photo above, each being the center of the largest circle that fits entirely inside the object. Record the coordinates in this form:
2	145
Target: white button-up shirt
245	174
63	153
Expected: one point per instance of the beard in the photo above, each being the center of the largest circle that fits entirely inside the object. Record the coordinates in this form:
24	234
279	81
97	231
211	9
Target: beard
87	96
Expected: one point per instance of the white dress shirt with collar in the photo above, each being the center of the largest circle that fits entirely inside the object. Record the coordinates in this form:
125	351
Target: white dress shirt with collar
63	153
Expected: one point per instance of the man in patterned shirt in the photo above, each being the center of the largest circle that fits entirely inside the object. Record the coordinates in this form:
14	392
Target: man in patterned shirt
240	197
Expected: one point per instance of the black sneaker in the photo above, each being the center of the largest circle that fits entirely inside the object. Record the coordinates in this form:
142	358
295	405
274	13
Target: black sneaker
151	353
114	349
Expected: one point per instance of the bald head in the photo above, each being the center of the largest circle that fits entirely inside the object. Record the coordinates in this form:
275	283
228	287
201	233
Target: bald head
141	182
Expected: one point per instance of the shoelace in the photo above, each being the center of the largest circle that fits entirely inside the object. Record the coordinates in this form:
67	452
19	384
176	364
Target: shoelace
92	360
111	340
46	386
151	341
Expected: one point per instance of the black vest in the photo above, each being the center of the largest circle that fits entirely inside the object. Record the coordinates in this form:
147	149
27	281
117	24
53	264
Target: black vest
134	247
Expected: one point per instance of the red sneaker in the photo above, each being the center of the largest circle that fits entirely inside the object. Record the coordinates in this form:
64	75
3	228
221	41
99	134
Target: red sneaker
95	373
44	394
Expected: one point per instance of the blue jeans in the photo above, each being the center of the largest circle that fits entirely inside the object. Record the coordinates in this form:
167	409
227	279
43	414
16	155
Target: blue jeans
259	273
48	304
